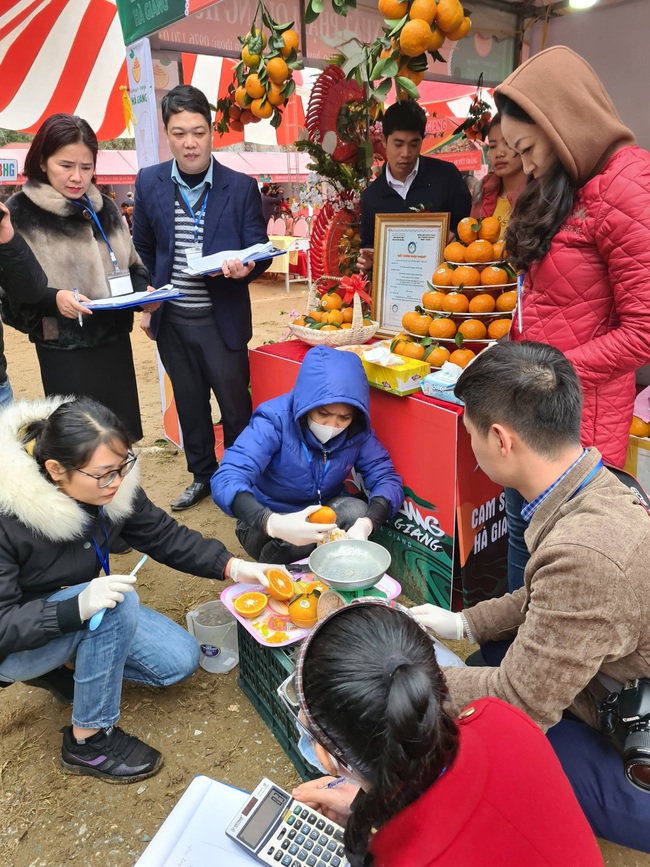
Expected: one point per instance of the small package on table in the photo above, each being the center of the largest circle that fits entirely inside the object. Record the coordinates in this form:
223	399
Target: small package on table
393	373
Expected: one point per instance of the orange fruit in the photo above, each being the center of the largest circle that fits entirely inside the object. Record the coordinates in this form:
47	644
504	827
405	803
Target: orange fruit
277	70
438	356
291	41
254	87
413	350
467	230
499	249
316	586
442	277
415	37
455	252
274	94
482	304
494	276
317	315
261	108
455	302
424	9
437	39
639	428
490	228
329	328
507	301
464	275
250	60
416	323
400	344
331	301
240	96
462	357
250	604
392	9
461	31
346	325
443	329
299	321
479	251
412	74
347	313
280	585
334	317
433	300
450	15
324	515
302	611
472	329
498	328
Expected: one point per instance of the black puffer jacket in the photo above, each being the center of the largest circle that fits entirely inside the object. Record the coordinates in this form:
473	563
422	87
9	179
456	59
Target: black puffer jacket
46	539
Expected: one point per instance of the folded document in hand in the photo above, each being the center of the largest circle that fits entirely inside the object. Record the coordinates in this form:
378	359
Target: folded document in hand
210	264
135	299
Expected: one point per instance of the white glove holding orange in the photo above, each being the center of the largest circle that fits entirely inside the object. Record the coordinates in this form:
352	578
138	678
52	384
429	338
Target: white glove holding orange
245	572
295	527
446	624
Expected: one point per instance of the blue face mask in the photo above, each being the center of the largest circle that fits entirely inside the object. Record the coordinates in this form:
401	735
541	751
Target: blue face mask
306	747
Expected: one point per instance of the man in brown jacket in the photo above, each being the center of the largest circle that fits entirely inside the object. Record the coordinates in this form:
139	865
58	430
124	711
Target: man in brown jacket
580	627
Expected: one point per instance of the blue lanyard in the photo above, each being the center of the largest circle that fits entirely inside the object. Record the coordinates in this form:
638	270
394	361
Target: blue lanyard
196	217
598	466
319	482
521	278
90	209
103	558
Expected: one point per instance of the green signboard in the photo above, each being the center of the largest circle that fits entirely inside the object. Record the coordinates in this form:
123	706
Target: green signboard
141	17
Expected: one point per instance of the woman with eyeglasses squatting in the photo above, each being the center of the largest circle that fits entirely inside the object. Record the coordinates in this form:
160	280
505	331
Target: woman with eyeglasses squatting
69	487
498	191
485	788
580	234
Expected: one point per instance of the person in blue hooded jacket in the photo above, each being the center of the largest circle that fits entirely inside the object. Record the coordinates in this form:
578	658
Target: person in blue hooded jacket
294	457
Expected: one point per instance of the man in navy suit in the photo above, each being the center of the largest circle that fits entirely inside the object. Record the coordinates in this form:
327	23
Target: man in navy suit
409	180
193	206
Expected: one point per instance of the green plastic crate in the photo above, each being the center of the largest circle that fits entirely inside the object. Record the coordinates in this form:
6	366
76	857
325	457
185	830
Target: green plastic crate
261	671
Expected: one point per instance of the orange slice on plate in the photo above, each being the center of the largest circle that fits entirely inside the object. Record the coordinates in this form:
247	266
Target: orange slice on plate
280	585
250	604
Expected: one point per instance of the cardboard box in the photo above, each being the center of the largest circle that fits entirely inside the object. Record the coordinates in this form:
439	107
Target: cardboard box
638	461
403	379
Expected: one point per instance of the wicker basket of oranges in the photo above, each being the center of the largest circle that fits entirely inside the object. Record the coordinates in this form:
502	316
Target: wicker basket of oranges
328	322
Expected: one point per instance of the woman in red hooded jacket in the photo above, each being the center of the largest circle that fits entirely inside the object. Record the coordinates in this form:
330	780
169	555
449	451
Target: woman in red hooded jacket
581	235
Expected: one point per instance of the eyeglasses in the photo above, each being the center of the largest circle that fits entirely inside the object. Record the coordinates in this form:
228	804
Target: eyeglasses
106	479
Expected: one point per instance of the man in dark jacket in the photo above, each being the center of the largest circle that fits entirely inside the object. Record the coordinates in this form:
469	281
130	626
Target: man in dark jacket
408	180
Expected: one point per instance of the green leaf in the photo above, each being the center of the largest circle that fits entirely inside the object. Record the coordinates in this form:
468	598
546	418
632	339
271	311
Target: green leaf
407	86
391	69
378	69
289	88
437	56
295	64
458	340
276	120
396	25
380	93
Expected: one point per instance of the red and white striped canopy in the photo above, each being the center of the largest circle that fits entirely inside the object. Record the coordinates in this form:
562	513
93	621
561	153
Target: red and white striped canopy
61	55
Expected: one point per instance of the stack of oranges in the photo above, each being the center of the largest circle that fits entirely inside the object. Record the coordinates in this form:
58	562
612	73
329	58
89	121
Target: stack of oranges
471	297
330	315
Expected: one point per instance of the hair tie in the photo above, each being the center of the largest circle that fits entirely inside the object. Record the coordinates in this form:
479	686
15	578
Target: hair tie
393	663
30	444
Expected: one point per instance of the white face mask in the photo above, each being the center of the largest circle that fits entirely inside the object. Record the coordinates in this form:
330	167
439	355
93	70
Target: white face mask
323	432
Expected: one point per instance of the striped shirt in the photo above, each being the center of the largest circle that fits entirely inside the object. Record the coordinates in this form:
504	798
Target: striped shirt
196	295
529	509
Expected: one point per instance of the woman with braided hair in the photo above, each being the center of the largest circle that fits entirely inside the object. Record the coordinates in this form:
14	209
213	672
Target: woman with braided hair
483	788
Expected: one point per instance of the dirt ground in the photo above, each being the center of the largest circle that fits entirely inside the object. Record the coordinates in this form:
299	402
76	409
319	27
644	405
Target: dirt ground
203	726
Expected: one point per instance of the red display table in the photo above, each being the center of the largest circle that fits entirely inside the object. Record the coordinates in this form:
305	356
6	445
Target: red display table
448	542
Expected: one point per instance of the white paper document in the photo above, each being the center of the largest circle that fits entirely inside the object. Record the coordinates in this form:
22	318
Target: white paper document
211	264
135	299
194	833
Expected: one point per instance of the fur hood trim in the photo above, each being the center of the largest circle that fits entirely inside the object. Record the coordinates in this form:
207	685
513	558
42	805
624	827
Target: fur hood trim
26	494
46	197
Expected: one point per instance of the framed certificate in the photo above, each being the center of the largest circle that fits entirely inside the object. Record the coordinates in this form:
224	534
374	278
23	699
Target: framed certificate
408	249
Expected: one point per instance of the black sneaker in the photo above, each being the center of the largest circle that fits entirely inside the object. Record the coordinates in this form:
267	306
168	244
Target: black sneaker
59	682
110	754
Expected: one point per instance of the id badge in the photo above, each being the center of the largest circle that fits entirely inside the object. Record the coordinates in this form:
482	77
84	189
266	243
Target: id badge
119	283
193	252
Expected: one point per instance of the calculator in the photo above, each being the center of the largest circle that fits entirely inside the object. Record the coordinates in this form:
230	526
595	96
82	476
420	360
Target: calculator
277	830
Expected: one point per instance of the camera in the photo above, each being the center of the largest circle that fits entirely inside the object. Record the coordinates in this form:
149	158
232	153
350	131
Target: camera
625	716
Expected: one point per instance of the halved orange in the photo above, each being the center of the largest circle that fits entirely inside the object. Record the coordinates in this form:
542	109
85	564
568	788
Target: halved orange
324	515
280	585
250	604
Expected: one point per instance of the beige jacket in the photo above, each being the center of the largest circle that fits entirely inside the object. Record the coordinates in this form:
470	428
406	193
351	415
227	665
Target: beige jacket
584	609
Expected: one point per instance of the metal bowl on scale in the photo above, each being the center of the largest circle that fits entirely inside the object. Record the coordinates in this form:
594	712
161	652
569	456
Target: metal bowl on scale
350	564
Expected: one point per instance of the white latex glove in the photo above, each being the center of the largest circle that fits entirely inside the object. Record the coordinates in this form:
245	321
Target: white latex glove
104	592
296	529
361	529
446	624
245	572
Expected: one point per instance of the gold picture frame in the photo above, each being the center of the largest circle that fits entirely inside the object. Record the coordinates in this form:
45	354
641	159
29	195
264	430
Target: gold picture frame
408	249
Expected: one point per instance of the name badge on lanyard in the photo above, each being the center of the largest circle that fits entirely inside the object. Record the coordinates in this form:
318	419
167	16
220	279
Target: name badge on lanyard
119	281
195	250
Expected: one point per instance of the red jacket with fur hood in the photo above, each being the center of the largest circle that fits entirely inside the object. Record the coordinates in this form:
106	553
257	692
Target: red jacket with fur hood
590	294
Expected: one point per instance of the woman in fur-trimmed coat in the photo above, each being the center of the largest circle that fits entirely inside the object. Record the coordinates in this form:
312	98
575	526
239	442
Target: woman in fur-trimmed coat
59	213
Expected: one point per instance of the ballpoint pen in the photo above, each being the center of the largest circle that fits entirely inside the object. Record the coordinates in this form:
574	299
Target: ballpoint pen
336	782
97	618
80	318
